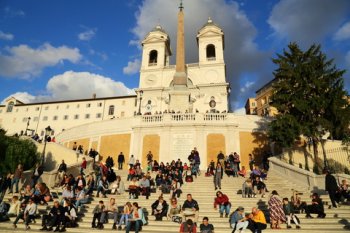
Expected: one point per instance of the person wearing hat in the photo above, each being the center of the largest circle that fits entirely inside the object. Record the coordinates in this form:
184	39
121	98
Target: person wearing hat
238	221
188	227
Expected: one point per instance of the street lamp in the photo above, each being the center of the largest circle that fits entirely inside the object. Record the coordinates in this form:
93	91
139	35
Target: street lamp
141	93
47	133
25	132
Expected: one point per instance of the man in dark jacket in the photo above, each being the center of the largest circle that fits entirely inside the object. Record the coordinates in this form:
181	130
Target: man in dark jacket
55	218
121	160
331	187
190	208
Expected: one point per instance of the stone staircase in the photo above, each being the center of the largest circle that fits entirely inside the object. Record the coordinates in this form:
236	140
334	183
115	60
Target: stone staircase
202	190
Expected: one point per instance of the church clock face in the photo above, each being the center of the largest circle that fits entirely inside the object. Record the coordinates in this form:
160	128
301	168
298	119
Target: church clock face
151	80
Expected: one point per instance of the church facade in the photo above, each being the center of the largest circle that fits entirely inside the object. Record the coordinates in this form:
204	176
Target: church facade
176	108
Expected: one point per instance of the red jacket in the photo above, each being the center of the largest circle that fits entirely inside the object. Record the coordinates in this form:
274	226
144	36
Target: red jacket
83	164
223	200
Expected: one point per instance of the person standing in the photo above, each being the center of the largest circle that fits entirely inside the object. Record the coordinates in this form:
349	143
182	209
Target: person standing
62	169
277	215
17	176
218	174
38	171
251	162
121	160
83	166
331	187
131	161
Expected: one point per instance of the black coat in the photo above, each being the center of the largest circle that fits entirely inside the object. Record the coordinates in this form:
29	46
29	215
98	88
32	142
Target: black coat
331	183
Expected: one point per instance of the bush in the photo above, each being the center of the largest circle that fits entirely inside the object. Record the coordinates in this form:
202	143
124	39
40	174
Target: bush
337	167
14	150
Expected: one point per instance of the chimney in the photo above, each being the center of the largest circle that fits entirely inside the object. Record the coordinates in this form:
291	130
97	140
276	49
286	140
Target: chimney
94	96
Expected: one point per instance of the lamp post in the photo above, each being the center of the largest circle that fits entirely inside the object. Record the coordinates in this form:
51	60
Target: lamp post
25	132
141	93
47	132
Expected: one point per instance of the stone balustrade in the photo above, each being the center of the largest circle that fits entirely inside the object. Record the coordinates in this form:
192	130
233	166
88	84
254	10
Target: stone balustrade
185	117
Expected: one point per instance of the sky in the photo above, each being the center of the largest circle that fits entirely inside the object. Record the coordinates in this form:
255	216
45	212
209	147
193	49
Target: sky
61	50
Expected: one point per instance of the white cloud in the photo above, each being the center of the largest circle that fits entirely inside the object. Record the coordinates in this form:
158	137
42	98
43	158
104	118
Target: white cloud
25	62
247	86
88	34
24	97
309	21
76	85
133	67
240	111
6	36
343	33
241	52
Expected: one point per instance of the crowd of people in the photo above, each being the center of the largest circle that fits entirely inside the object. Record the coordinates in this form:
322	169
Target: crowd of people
168	178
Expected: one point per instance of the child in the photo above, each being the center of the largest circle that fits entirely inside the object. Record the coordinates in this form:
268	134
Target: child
125	215
97	214
289	212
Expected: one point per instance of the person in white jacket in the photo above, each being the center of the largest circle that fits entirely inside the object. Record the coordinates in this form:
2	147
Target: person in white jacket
14	207
27	215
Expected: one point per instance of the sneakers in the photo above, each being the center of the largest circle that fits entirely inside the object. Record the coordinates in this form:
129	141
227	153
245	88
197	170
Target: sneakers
308	216
288	227
119	227
14	226
27	227
221	215
114	227
226	215
44	228
298	227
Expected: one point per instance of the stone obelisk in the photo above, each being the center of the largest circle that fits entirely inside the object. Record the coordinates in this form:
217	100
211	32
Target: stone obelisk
179	94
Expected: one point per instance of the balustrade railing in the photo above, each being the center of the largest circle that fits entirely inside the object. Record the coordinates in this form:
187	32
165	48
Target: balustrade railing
183	117
152	118
215	117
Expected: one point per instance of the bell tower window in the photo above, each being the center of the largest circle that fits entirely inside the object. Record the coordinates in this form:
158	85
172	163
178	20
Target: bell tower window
10	106
211	53
153	57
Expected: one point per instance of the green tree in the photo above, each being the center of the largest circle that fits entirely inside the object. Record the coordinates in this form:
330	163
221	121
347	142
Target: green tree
14	150
308	94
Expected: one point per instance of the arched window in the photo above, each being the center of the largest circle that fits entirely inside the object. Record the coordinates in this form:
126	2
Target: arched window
211	52
153	57
10	106
111	110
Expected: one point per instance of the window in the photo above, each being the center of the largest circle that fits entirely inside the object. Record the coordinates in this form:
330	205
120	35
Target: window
78	105
45	118
67	106
52	132
111	110
27	109
65	117
88	105
16	109
37	108
55	118
98	115
57	107
211	52
87	116
76	117
42	133
253	104
123	103
153	56
99	104
25	119
36	119
0	110
47	108
10	106
122	114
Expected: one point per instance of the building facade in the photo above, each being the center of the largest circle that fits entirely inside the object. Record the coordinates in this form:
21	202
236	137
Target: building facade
176	108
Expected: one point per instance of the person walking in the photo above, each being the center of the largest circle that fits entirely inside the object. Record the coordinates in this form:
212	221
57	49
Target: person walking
331	187
121	161
218	174
16	177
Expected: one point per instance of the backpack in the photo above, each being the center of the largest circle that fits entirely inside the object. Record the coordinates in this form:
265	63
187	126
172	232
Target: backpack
4	207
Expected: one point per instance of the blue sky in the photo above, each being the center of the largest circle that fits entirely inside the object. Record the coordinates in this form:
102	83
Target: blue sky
54	50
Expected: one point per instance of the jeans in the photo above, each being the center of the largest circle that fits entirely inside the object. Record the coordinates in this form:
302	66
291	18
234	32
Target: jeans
239	226
138	224
81	201
124	217
225	208
15	180
106	214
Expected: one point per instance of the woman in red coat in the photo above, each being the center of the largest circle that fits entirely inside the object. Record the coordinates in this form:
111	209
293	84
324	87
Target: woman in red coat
223	202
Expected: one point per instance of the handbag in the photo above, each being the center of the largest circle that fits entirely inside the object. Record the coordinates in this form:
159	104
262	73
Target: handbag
177	219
